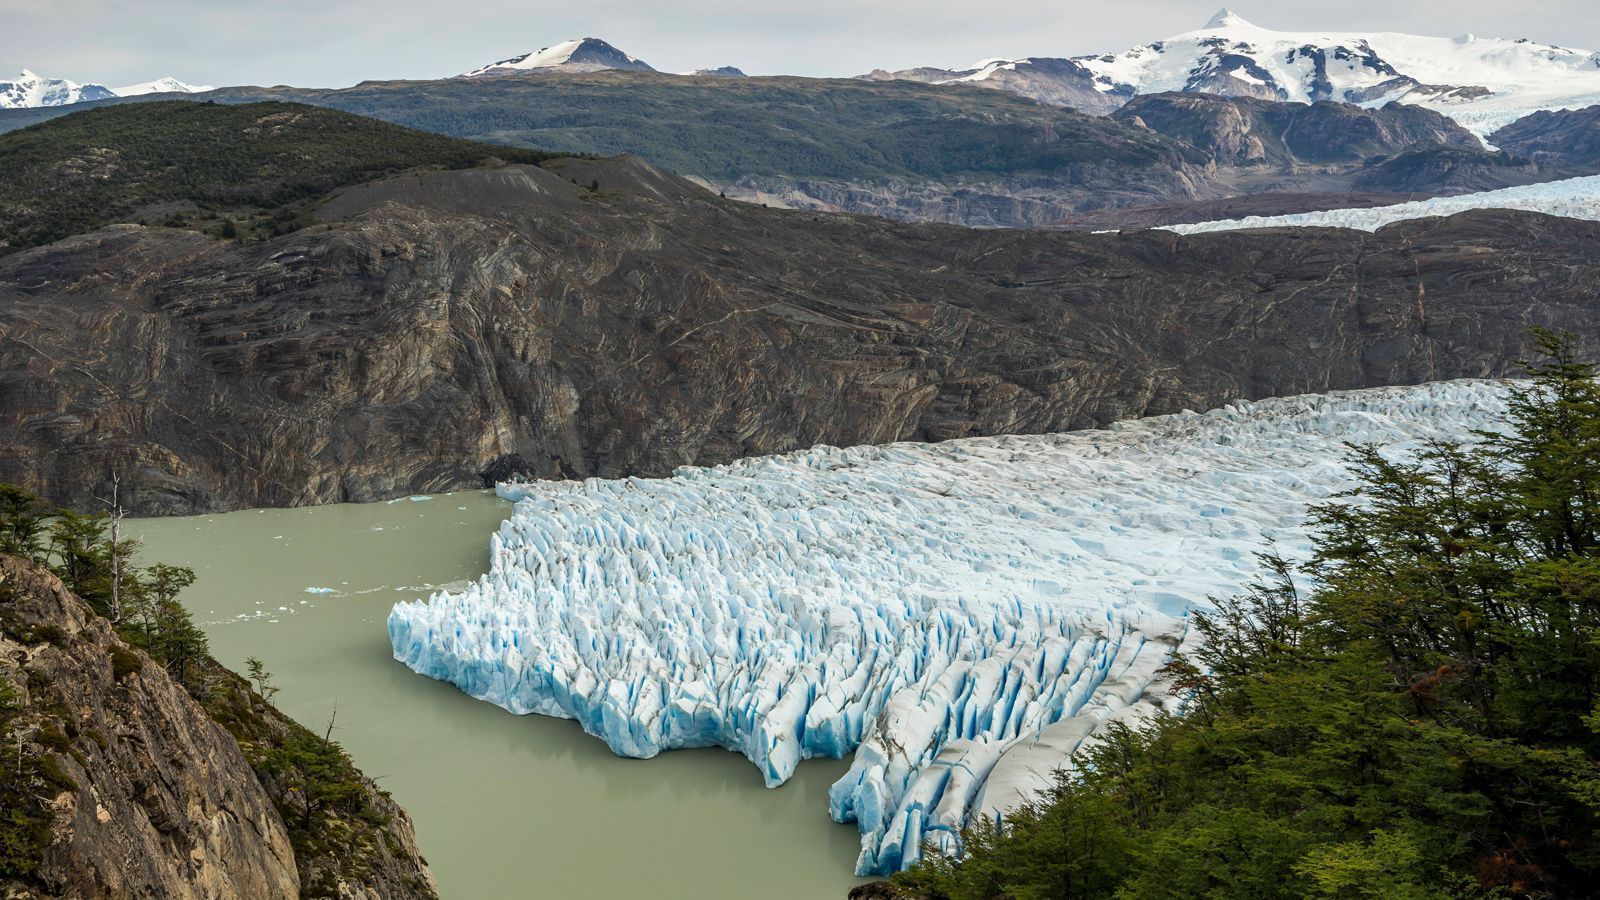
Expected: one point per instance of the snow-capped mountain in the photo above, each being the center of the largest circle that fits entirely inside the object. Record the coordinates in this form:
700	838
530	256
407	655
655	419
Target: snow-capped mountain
161	86
1061	82
1483	83
30	90
579	55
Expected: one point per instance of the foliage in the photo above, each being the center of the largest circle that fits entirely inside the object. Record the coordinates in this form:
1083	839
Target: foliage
256	671
250	169
22	523
1421	723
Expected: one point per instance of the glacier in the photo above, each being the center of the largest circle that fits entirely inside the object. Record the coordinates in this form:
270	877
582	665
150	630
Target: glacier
960	616
1572	198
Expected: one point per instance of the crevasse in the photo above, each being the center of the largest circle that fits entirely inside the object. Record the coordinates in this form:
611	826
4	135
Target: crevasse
960	616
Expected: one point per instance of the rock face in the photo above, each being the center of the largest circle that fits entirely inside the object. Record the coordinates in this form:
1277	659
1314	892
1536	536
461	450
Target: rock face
1434	169
601	318
161	803
1568	140
1246	131
153	794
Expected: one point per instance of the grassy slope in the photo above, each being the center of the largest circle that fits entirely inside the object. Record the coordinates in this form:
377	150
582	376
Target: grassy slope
259	163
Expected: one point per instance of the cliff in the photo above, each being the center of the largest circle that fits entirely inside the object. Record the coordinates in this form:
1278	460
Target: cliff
118	783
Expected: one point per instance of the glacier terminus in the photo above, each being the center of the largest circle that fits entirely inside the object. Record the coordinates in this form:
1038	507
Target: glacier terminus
959	616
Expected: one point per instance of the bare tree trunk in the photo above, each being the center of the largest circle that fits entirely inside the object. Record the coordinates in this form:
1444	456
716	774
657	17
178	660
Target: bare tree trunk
116	549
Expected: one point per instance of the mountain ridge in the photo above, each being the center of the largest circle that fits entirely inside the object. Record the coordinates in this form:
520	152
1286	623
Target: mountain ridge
601	317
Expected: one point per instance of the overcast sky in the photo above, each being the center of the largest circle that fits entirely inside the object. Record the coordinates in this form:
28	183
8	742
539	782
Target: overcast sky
339	42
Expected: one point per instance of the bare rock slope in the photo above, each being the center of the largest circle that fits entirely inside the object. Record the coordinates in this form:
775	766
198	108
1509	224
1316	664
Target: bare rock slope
139	790
602	318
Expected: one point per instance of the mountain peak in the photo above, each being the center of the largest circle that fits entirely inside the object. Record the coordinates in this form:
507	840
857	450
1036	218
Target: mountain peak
1226	17
589	54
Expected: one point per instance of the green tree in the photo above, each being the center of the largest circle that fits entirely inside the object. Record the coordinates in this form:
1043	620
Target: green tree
1423	722
22	523
257	672
78	547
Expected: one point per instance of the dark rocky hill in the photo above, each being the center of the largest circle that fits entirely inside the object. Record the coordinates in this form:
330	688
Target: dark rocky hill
1567	139
602	318
1244	131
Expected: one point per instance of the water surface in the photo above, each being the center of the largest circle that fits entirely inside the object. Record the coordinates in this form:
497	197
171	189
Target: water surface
505	806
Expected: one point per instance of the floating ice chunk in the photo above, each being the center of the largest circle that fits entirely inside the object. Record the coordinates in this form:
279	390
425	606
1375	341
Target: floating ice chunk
321	590
959	616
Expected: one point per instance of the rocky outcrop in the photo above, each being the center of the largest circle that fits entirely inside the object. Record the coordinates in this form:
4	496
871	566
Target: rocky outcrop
1246	131
154	799
1568	139
129	783
1436	170
601	318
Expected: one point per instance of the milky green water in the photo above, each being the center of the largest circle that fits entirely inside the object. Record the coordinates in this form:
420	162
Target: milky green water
505	806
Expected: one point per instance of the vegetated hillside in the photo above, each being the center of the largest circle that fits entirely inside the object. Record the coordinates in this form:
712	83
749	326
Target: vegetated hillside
602	318
722	128
905	150
1568	139
1244	131
190	163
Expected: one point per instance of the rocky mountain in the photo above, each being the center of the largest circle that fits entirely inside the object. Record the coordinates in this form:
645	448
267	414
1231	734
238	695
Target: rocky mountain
578	55
589	317
1568	139
1059	82
954	154
119	783
1437	170
719	72
1246	131
28	91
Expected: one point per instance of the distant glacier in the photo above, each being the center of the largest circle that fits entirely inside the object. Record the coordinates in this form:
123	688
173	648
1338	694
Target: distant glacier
960	616
1573	198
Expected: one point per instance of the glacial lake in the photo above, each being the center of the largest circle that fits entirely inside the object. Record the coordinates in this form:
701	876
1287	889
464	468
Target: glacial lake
505	806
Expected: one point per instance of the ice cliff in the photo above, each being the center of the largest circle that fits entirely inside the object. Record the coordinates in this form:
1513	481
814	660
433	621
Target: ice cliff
960	616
